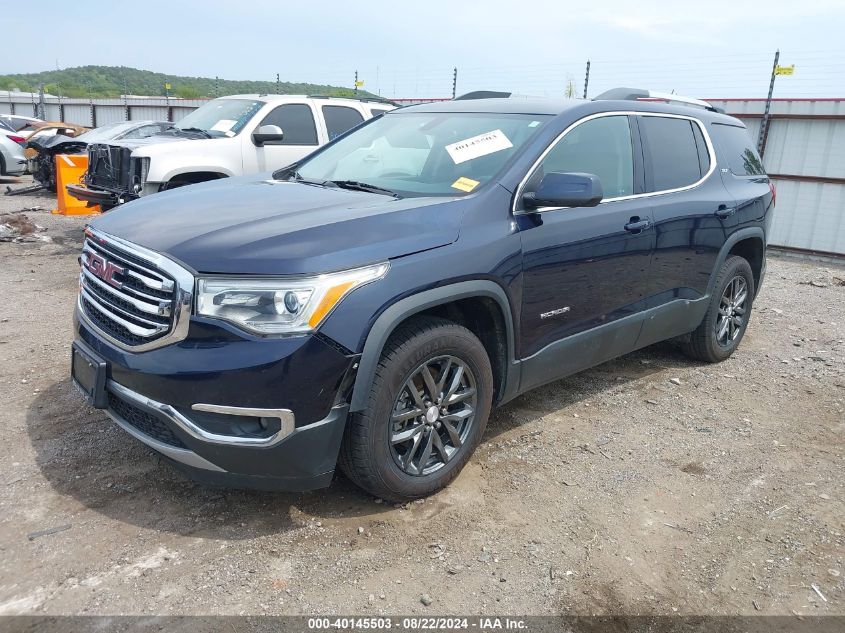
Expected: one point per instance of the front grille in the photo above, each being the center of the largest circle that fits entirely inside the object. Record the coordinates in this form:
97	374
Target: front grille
147	423
109	166
123	295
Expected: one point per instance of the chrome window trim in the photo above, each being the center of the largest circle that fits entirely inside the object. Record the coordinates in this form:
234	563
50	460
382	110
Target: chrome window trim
182	300
710	152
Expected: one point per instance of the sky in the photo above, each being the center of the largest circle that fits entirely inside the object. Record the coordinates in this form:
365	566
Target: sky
718	48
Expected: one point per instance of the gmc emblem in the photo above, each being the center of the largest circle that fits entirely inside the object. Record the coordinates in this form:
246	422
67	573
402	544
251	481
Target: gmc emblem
104	269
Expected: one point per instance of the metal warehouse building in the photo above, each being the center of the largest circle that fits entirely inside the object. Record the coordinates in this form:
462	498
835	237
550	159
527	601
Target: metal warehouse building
804	153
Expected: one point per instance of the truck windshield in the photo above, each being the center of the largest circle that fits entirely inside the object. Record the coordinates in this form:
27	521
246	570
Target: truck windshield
422	153
220	117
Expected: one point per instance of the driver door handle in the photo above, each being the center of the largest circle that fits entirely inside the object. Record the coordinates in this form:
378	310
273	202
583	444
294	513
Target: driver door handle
636	225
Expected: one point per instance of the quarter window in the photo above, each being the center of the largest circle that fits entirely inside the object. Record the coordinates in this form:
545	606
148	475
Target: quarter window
601	147
736	146
672	146
339	119
297	123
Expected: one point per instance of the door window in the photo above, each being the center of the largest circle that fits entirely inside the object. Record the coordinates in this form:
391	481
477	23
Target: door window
599	146
339	119
297	123
671	145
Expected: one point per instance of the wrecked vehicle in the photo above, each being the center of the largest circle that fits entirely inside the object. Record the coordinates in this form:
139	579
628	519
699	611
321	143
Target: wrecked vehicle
229	136
44	149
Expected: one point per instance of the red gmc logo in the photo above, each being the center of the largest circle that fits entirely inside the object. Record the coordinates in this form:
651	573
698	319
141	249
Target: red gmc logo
103	268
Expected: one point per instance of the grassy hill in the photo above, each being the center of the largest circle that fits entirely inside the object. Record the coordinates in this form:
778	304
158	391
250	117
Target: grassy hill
113	81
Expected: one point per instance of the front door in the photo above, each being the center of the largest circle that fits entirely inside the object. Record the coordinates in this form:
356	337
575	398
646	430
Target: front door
297	123
585	268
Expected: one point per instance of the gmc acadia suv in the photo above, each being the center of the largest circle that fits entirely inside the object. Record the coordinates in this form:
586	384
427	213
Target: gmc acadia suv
369	304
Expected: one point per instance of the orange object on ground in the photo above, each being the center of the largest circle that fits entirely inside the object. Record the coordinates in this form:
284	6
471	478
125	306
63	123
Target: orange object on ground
69	171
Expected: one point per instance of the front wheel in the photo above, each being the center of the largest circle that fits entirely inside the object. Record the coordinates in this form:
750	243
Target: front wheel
426	413
727	317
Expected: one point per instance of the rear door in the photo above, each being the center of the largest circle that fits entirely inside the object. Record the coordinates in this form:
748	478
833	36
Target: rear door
587	267
685	193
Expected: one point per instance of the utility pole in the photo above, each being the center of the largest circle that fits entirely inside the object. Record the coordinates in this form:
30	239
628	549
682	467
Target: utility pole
356	83
125	99
587	79
454	81
216	86
167	100
278	89
764	124
91	105
42	111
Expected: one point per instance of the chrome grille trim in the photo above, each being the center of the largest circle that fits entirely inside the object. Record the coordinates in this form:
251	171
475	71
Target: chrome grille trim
137	330
162	319
156	306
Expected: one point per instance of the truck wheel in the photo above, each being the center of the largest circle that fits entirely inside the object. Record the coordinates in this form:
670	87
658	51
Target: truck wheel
727	316
427	410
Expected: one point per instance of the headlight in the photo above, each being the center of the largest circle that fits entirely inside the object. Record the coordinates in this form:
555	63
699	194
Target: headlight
281	305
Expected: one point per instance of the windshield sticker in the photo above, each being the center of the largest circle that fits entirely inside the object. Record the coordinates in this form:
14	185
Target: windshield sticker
224	125
534	124
477	146
465	184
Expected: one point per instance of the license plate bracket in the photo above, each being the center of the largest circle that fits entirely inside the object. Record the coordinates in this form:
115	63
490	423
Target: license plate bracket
89	374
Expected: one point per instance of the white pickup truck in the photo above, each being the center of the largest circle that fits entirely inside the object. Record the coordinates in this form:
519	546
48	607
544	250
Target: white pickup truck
229	136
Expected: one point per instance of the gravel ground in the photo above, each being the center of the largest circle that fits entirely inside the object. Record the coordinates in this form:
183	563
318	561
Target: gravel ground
648	485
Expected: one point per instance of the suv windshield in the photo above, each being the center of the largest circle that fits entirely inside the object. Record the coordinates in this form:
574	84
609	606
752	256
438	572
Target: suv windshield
221	117
425	153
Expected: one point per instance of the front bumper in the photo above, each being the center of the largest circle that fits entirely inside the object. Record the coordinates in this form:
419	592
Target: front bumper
177	400
95	196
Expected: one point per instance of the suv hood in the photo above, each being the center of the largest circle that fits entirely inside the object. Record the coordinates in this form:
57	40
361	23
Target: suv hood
152	141
263	226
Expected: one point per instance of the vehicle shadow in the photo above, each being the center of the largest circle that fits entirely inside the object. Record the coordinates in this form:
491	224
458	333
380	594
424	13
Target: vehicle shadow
85	456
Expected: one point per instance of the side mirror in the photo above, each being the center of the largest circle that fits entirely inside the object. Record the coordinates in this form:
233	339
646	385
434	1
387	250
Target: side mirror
558	189
267	134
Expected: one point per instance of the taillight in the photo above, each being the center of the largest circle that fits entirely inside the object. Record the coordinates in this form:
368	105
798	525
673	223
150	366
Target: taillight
17	139
774	191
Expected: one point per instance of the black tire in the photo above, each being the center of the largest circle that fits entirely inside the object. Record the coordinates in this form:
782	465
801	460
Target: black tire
705	342
368	455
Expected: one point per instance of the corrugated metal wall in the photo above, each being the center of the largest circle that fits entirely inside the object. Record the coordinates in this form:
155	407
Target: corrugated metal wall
100	111
805	155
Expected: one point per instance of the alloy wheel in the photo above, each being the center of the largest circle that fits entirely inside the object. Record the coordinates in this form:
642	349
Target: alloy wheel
433	415
732	311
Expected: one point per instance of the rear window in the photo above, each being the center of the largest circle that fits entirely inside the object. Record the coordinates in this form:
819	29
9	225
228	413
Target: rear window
674	151
737	149
339	119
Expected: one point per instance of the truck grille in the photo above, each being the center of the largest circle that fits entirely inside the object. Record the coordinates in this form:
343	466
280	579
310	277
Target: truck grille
126	296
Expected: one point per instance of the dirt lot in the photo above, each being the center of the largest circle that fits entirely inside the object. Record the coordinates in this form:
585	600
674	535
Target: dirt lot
649	485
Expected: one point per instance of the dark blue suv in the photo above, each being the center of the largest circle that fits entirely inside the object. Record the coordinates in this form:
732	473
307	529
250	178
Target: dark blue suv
368	305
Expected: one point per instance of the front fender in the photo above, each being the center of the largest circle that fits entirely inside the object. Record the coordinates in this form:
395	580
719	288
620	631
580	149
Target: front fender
404	308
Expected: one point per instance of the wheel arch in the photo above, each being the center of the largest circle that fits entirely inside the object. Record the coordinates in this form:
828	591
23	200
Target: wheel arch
454	302
747	242
193	177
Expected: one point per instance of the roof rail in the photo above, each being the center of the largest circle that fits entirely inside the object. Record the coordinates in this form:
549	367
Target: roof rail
636	94
364	99
484	94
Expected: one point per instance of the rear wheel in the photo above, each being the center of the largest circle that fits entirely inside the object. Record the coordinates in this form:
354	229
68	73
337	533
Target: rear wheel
727	316
426	413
